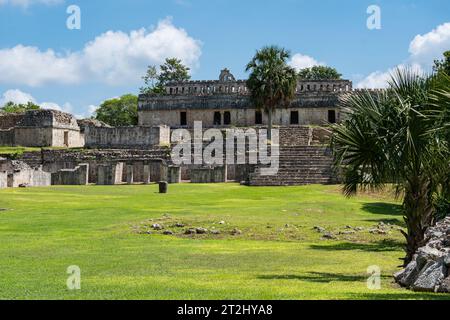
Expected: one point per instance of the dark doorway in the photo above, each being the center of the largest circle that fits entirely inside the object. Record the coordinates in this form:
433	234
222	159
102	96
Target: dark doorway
217	118
183	118
227	118
66	138
331	116
258	117
294	117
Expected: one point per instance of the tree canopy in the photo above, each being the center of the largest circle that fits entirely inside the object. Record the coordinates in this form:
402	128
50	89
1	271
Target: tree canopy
396	136
172	70
11	107
443	65
272	82
119	112
319	73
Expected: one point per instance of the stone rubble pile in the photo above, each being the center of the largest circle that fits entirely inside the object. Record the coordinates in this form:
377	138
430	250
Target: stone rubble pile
429	270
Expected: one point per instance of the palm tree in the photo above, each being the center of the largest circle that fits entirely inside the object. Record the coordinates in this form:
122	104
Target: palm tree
393	137
272	83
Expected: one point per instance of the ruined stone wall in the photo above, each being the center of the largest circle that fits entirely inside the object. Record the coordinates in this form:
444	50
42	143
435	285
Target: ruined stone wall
10	120
74	138
29	178
209	175
126	137
76	176
33	137
3	179
7	138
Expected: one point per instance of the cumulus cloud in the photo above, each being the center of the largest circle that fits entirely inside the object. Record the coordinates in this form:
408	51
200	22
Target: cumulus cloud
114	58
423	50
300	61
16	96
19	97
27	3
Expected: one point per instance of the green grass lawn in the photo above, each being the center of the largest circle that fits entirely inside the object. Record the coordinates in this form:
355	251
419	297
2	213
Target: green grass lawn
103	230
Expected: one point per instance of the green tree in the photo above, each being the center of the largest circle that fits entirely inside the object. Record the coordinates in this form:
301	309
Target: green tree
11	107
319	73
393	137
272	82
172	70
443	65
119	112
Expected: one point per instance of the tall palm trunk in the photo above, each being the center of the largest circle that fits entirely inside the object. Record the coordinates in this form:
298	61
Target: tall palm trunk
269	125
418	209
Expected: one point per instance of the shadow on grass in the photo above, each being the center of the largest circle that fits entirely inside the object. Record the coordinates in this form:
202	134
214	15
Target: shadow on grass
388	209
380	246
321	277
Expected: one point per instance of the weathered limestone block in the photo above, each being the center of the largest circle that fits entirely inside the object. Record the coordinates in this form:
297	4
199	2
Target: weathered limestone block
130	177
29	178
147	176
3	180
109	174
430	277
209	175
429	270
173	174
77	177
163	187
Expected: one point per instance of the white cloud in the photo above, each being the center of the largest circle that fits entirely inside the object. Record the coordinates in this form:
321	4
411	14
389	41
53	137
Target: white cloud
16	96
27	3
300	61
423	50
20	97
113	58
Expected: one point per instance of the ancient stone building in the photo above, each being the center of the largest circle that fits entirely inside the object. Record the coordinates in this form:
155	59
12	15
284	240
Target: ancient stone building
225	102
40	128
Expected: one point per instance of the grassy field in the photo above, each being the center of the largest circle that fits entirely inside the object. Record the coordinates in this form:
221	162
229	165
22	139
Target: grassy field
278	255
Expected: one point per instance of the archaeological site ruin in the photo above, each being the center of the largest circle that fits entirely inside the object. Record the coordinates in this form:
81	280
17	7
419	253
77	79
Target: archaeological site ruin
79	152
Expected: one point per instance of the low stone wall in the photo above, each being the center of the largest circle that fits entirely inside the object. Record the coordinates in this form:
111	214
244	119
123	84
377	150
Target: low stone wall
77	177
7	138
209	175
126	137
110	174
3	180
429	270
29	178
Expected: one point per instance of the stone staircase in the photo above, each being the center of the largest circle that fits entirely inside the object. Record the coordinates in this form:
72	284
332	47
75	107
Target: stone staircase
299	165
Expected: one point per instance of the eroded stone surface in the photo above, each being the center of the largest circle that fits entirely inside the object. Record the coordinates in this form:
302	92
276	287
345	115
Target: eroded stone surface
429	269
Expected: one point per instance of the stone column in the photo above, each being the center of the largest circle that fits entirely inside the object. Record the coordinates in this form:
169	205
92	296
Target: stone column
146	174
130	174
173	174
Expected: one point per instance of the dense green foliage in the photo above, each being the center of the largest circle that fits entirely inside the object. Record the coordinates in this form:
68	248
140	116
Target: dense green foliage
172	70
396	136
272	82
319	73
119	112
277	256
11	107
443	65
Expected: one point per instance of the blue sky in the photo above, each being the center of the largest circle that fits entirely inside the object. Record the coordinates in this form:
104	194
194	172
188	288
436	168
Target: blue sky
75	70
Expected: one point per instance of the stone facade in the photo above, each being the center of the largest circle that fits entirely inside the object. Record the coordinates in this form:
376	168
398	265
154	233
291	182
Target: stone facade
40	128
226	102
3	179
126	137
74	177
